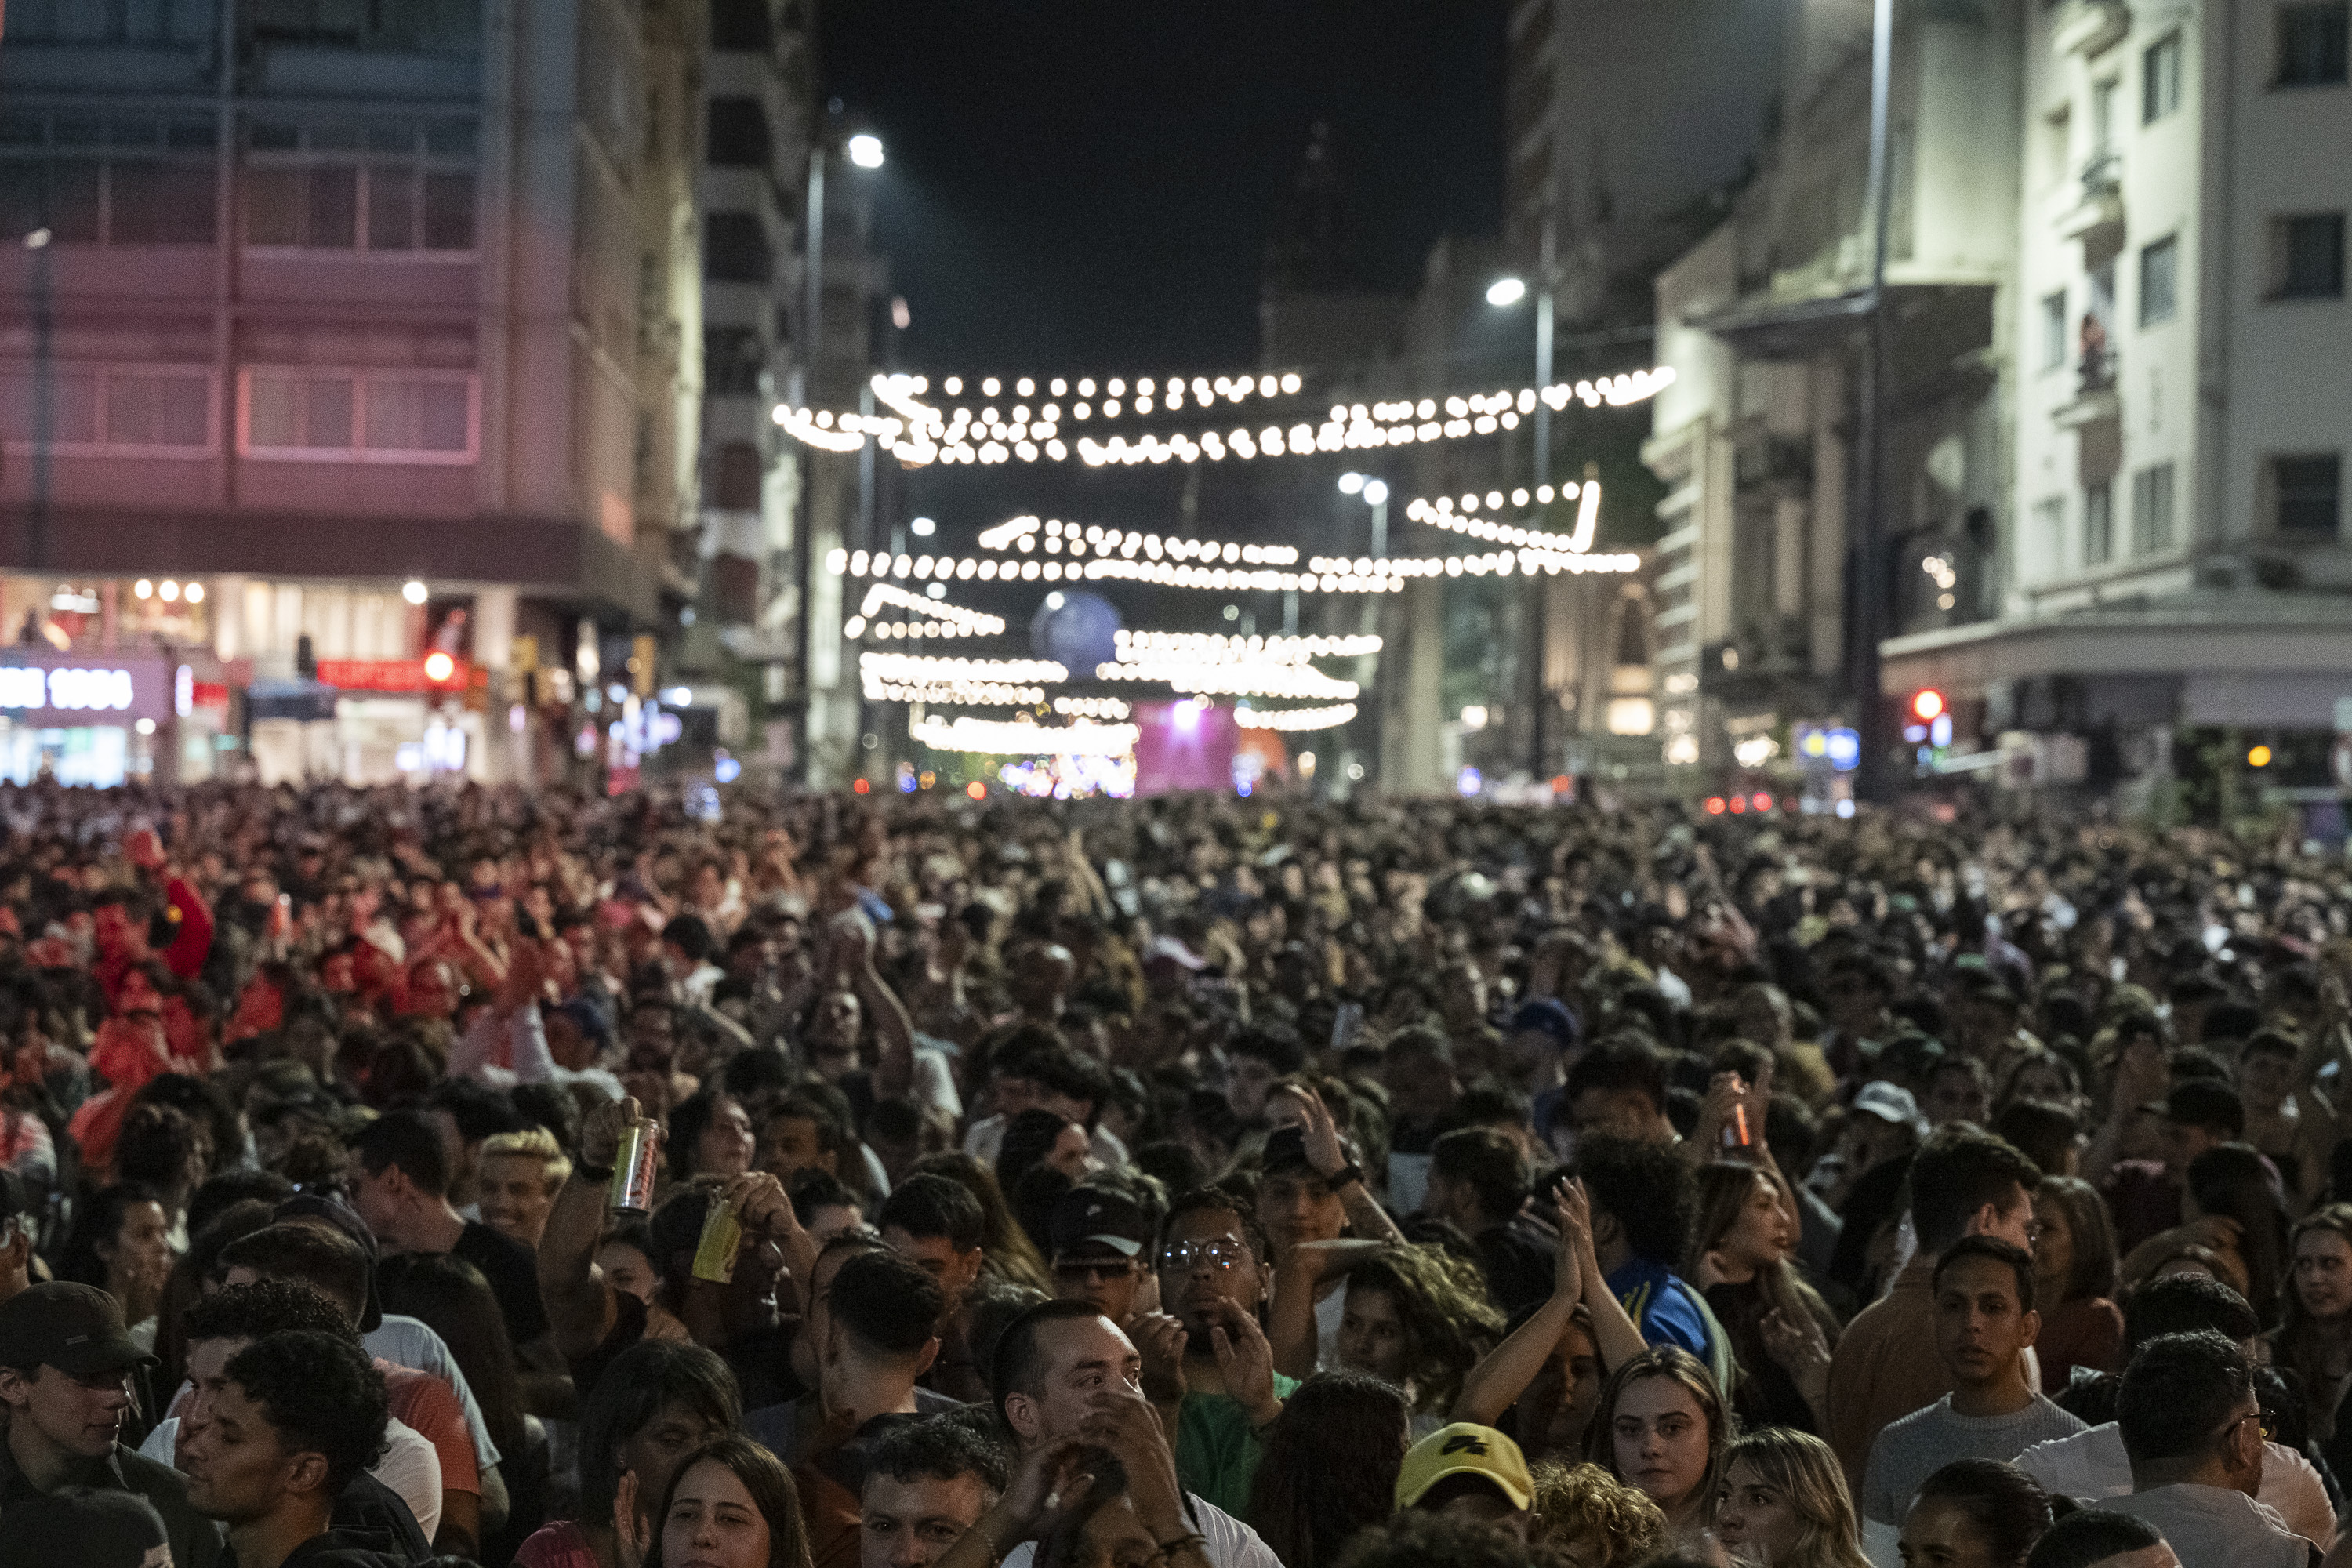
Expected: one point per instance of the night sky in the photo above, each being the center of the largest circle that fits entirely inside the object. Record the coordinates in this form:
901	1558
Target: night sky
1089	186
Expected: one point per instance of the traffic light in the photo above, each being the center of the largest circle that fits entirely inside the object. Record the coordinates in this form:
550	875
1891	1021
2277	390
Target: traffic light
1927	704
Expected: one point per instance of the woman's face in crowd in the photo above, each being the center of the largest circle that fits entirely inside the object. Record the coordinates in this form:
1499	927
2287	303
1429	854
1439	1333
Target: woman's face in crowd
713	1522
2054	1249
1758	1237
627	1270
724	1147
2041	1081
2323	1273
1658	1436
1939	1535
1072	1153
1373	1338
1757	1522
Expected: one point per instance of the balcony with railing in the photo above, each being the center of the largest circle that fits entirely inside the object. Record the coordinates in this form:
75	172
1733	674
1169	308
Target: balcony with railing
2096	396
2095	201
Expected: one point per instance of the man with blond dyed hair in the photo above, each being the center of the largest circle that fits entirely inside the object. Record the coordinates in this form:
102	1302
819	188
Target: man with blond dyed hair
521	1175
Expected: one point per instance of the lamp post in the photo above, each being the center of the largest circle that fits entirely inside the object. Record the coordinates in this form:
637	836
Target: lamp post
1504	293
45	393
1374	493
1866	584
865	151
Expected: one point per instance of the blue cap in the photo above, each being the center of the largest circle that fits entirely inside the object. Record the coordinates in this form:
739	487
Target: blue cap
1548	1015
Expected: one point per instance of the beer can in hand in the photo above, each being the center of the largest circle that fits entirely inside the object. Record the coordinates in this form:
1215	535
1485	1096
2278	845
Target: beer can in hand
714	1256
635	1163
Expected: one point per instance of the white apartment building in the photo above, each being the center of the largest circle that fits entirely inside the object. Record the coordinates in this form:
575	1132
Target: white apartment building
2173	547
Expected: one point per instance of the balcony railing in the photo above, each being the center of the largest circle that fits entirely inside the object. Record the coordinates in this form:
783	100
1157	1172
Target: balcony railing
2096	369
2103	177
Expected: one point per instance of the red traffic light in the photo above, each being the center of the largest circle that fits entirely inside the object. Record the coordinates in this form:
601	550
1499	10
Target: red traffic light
1926	705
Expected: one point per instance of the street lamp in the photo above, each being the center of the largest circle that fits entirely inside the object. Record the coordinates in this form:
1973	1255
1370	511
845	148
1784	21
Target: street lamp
1351	483
1505	291
865	150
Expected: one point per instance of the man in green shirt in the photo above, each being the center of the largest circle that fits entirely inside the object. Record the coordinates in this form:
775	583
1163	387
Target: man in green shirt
1207	1363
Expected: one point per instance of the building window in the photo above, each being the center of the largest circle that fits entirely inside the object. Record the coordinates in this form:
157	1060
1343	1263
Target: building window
357	415
2308	256
2098	523
2152	509
2160	81
741	25
2310	495
2054	330
737	133
735	249
2159	277
115	411
732	361
2312	35
736	477
397	189
93	180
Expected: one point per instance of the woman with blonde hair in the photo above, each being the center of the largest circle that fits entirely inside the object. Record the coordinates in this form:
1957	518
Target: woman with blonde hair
1780	1330
1663	1427
1784	1503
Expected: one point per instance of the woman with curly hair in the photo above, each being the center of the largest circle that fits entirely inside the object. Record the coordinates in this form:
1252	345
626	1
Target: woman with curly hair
1784	1503
1592	1520
1011	1254
1782	1331
1417	1320
1329	1467
1663	1427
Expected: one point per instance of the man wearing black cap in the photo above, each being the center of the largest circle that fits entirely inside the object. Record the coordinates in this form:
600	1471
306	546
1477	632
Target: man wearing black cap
1099	1235
65	1375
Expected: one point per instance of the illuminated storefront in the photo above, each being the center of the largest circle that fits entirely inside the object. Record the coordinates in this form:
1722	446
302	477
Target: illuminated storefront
84	721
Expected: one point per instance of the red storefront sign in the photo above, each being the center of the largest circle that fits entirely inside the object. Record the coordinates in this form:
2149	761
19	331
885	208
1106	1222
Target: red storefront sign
434	672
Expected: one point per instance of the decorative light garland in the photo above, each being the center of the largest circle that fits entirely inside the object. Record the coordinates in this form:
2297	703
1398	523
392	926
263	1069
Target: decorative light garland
1439	513
1213	647
1297	681
1054	537
1091	708
998	737
1329	717
940	617
1325	574
1170	390
924	666
986	693
1030	434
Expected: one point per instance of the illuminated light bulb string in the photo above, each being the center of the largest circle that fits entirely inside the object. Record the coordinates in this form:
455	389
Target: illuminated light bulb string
1002	737
940	618
1213	647
1439	513
1297	681
922	434
1296	719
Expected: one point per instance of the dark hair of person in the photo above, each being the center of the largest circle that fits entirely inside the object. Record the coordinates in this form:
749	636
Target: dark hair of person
2178	1392
926	1205
1278	1047
2209	1104
157	1147
1328	1466
2188	1304
328	1261
643	1380
1417	1538
2234	1179
772	1492
988	1307
2019	1262
1018	1366
263	1307
217	1193
2091	1535
322	1393
1956	1173
479	1110
99	1224
409	1140
2006	1507
1011	1254
688	1122
1029	1139
2092	1233
450	1296
943	1447
813	1190
1618	1063
1490	1163
1647	1188
1448	1322
1215	1200
1676	1365
889	1303
195	1269
2043	1131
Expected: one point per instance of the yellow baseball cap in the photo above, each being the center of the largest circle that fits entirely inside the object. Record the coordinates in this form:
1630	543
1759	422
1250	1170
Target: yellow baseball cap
1465	1449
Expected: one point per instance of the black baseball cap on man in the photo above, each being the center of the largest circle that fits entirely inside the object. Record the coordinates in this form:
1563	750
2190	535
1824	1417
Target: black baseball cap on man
89	1528
77	1329
1097	1219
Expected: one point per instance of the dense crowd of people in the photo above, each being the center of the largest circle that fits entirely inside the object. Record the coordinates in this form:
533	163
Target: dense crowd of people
462	1175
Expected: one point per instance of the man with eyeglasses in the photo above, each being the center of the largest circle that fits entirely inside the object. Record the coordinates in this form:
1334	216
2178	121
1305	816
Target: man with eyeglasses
1208	1365
2195	1434
1100	1234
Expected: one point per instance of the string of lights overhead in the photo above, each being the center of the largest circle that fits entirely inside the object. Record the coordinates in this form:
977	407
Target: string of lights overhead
1213	647
1439	513
1054	537
921	433
1298	680
1001	737
940	617
1295	718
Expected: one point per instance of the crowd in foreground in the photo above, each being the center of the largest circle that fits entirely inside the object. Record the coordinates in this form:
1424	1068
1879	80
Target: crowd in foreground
474	1176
